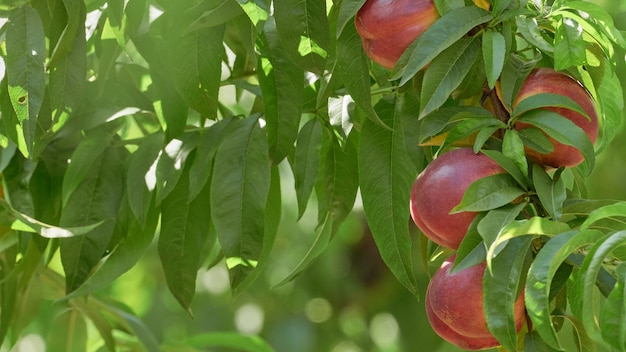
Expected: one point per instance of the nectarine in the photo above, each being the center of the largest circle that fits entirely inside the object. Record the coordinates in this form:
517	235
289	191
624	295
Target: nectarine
454	306
440	187
547	80
387	27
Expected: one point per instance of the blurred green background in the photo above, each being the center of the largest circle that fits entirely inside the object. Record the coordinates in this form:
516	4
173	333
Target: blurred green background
347	301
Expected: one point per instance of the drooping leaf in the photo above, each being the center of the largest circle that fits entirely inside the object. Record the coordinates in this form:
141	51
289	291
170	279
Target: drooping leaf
569	45
514	73
509	166
501	289
282	85
304	31
347	11
137	240
586	284
26	53
95	200
140	182
529	28
307	162
496	220
614	312
533	342
353	70
240	185
446	72
196	64
547	100
600	15
540	275
494	51
171	163
488	193
563	130
386	176
184	231
513	148
437	38
612	106
551	191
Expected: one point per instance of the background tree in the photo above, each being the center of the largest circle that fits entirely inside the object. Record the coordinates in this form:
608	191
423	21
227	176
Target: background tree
152	145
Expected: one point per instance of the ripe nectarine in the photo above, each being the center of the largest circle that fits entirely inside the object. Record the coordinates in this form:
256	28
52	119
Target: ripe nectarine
440	187
387	27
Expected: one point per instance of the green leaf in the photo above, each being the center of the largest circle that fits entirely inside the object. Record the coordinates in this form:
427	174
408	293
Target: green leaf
195	65
491	226
202	167
533	342
436	121
307	162
551	191
611	101
446	31
590	269
68	65
530	30
540	275
257	11
614	312
563	130
569	45
229	340
25	56
514	73
171	163
533	138
184	231
509	166
582	340
468	127
446	72
352	68
304	31
239	190
83	158
347	11
140	183
502	288
273	211
543	100
599	15
282	85
494	51
488	193
137	239
130	322
513	148
68	333
386	175
615	210
95	199
534	226
472	249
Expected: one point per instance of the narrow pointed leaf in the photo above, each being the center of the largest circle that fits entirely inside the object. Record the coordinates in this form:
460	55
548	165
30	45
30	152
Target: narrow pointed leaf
386	175
282	85
446	73
184	230
494	51
551	191
140	183
502	287
26	53
489	193
437	38
540	276
96	199
614	312
569	46
240	186
307	162
69	333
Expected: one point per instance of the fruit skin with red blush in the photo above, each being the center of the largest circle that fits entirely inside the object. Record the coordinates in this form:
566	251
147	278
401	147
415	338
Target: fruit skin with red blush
547	80
454	306
388	27
440	187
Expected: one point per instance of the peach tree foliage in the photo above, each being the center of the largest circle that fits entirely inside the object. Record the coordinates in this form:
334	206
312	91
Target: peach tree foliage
118	122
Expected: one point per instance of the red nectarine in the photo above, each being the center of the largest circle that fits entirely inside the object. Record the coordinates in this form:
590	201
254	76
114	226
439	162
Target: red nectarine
387	27
547	80
440	187
454	306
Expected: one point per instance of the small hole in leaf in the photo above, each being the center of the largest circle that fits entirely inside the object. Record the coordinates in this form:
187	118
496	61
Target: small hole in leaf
22	99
